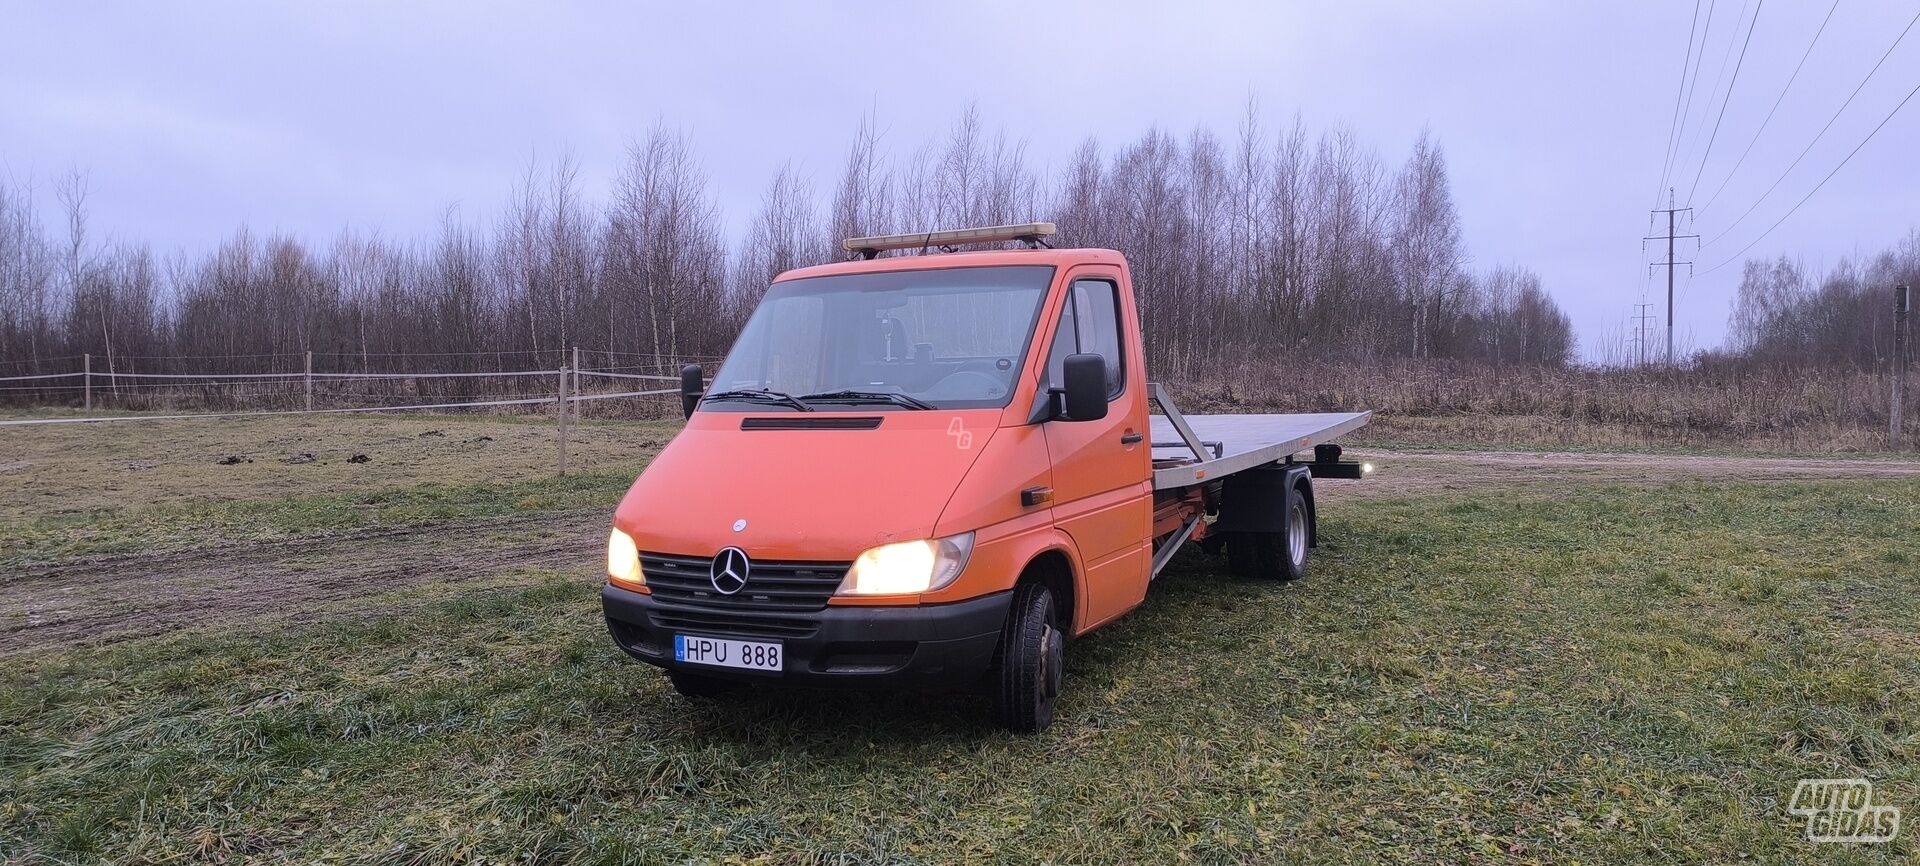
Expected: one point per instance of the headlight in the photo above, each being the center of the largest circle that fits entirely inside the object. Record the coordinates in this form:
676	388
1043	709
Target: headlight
623	558
908	567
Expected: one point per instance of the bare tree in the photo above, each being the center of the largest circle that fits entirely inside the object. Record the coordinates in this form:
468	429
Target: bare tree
1077	198
664	254
784	235
863	201
89	298
1426	242
1273	242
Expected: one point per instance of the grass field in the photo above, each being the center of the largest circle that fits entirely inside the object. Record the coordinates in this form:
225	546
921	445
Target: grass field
1507	660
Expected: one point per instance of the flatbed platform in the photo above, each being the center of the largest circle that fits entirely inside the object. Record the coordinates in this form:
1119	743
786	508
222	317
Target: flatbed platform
1244	441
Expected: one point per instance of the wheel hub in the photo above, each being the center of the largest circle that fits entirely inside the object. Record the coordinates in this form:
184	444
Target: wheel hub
1297	536
1051	661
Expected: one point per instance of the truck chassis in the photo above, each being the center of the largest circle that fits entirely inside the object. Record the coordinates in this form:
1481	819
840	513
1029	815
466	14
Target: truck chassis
1240	468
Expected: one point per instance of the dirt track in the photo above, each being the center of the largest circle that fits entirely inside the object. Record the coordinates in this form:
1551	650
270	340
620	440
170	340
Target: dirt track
295	581
95	601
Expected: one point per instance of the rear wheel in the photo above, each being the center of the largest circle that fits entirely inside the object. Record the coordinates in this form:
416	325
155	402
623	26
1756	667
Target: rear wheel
1032	655
1273	555
700	685
1294	566
1253	554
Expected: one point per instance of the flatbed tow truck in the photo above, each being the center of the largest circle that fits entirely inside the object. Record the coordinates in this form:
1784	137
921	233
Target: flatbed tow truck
933	470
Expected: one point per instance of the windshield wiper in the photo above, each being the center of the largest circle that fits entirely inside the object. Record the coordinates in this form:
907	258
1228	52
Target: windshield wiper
781	397
897	399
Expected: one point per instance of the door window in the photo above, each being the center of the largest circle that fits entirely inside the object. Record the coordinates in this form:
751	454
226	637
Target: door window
1090	322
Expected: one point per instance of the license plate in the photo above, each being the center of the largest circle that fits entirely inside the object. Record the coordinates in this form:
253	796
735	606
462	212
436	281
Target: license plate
721	652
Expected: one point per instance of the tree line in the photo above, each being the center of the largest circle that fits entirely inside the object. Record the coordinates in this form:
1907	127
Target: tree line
1262	244
1785	313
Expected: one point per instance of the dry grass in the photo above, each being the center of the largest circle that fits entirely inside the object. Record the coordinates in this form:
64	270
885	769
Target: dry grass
165	487
1724	406
74	468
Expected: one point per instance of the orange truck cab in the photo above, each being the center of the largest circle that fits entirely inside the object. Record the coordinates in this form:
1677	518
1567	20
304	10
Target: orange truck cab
932	471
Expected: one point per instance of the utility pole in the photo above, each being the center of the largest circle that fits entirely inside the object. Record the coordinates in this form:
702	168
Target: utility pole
1641	330
1670	264
1897	407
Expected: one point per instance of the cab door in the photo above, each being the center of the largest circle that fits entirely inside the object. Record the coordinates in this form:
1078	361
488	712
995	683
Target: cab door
1103	470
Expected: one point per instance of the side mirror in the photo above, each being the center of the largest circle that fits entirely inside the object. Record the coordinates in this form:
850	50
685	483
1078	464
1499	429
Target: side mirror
692	385
1084	397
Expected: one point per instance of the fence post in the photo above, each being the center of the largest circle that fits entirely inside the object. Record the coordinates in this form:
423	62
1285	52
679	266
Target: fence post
563	420
86	376
309	380
1897	403
576	382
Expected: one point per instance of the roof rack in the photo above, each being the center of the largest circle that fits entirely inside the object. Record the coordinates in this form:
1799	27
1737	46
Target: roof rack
1032	234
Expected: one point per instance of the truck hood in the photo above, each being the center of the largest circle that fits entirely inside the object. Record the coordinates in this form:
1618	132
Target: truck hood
802	494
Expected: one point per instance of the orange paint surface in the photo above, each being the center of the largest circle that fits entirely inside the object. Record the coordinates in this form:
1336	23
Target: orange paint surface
828	495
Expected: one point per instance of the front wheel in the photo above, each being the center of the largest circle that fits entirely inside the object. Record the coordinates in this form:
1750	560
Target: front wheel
1032	654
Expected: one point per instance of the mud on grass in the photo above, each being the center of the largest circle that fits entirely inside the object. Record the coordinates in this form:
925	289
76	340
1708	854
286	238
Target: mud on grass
355	574
1616	674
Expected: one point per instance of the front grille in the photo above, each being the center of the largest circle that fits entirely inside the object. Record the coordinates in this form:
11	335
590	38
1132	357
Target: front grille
776	602
733	623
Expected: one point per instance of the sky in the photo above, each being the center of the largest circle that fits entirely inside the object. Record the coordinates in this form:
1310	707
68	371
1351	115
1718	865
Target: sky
190	120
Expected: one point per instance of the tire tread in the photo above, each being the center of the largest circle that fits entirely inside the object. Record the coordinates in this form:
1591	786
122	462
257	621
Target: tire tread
1016	706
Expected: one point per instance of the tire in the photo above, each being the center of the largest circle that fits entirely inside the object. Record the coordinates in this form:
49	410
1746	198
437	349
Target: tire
1032	654
700	685
1254	555
1298	547
1278	556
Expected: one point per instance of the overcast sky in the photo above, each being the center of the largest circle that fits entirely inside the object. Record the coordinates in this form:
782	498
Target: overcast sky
191	120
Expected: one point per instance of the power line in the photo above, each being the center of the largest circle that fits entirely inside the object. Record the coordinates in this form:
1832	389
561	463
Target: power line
1816	139
1823	181
1673	128
1719	76
1693	86
1731	84
1776	105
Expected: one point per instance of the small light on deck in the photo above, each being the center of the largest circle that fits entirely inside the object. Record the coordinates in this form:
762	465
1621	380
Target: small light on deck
1366	469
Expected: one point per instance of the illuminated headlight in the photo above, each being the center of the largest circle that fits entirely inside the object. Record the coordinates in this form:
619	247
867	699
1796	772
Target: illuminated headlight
623	558
908	567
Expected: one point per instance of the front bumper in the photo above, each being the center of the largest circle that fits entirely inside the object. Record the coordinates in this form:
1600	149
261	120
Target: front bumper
922	646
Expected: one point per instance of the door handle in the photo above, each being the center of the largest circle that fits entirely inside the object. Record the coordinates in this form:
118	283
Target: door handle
1131	439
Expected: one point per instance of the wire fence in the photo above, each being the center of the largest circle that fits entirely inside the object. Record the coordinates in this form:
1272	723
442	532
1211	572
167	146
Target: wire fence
138	391
392	363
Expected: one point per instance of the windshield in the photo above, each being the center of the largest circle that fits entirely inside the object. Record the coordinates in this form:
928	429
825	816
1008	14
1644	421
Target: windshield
951	338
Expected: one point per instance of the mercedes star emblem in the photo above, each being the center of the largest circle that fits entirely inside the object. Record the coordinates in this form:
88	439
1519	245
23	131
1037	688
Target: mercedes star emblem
729	572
